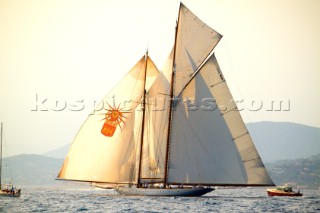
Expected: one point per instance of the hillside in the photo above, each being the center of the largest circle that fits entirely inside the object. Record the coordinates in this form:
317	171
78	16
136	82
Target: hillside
59	153
301	172
31	170
284	141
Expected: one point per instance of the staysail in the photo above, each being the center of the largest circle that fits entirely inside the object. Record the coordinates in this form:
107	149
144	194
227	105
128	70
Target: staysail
156	129
96	157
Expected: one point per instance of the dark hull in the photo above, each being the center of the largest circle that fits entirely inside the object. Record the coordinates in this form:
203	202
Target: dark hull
163	192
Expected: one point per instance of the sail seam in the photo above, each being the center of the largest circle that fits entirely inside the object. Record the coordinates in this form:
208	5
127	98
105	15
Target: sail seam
213	85
251	159
246	133
227	111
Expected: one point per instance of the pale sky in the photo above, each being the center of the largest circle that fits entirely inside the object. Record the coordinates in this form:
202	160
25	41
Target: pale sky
73	50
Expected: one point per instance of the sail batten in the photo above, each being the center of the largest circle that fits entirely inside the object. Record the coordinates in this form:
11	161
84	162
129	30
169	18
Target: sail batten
240	135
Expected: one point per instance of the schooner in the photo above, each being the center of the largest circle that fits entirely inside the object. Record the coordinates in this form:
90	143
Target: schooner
171	133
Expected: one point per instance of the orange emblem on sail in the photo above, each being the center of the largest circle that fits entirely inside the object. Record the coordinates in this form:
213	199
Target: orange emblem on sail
114	117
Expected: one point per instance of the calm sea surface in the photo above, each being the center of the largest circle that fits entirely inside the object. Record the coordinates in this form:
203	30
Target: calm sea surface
87	199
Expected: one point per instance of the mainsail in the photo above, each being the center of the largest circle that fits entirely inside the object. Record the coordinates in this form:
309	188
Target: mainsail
208	134
178	126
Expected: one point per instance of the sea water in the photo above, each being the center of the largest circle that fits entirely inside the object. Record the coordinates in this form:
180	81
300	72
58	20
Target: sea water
88	199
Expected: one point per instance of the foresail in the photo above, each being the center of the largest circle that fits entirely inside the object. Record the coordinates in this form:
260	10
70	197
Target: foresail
106	147
195	40
209	142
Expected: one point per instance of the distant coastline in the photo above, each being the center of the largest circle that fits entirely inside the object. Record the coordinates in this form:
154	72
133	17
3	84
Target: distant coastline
290	151
38	170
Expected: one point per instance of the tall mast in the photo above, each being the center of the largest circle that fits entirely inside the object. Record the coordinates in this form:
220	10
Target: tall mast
1	154
143	115
171	102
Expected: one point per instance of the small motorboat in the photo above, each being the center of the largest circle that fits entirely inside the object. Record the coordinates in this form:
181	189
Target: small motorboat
283	191
9	191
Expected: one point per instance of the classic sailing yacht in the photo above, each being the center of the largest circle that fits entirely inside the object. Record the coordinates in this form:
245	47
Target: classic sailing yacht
7	190
172	133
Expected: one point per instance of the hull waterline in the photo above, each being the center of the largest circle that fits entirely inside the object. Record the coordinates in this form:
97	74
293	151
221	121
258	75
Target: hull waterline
163	192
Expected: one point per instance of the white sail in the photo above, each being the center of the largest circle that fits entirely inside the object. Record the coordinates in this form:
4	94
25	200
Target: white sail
156	129
167	68
210	143
195	40
255	170
99	158
156	124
